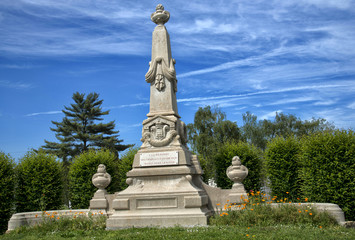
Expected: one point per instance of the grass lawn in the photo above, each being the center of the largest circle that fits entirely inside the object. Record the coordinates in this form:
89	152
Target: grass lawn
211	232
251	220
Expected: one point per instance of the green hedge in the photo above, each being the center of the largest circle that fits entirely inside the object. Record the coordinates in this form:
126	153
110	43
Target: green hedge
81	171
39	183
328	169
125	165
250	157
282	164
7	179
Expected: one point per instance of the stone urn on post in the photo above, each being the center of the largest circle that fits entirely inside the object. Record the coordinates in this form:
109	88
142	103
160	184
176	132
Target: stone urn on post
237	173
101	180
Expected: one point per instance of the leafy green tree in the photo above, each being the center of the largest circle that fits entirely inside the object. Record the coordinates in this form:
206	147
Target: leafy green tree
80	130
209	131
260	132
81	171
253	131
7	179
39	182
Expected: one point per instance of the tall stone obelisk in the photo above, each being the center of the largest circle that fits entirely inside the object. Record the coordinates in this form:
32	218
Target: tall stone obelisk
164	184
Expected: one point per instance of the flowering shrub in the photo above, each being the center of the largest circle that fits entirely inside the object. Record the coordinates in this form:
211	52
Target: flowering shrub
260	210
50	221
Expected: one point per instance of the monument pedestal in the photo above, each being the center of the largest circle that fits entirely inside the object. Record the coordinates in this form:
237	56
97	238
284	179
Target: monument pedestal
161	200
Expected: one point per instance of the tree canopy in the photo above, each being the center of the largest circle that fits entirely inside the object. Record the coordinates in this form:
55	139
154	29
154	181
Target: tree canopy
81	129
262	131
211	131
208	133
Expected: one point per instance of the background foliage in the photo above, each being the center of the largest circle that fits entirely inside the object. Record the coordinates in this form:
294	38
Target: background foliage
209	131
125	165
81	171
39	182
250	157
7	179
328	169
283	166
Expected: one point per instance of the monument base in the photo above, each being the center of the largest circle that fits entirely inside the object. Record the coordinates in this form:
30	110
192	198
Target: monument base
160	201
158	219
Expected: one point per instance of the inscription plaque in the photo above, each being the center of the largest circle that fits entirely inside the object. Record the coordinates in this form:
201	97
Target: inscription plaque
159	158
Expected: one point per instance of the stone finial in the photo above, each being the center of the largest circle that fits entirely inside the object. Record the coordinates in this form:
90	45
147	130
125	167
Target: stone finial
237	173
160	16
101	179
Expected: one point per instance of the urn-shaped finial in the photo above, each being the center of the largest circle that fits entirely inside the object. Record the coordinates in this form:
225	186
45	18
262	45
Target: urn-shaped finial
101	179
237	172
160	16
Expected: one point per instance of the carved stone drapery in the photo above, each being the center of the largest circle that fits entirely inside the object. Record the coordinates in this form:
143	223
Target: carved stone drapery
159	67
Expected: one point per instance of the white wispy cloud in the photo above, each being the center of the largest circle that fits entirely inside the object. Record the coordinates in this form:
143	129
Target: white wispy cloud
18	66
270	114
293	100
351	105
43	113
128	105
332	115
15	84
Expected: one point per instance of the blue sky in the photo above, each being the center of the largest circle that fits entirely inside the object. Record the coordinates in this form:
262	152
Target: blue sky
294	56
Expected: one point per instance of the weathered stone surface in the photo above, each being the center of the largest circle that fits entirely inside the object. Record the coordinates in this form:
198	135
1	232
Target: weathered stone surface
32	218
101	180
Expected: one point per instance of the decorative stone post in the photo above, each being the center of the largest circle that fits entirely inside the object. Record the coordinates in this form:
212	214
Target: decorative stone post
237	173
101	180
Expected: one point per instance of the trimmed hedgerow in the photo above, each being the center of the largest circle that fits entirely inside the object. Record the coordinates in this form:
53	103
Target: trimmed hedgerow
7	177
39	183
282	164
250	157
125	165
81	171
328	169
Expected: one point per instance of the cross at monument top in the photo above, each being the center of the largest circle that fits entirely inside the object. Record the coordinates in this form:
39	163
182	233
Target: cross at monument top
160	16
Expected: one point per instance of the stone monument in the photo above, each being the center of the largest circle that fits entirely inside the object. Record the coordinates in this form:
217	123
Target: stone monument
164	184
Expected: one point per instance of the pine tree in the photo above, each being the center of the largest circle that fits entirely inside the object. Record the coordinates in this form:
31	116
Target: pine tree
80	130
